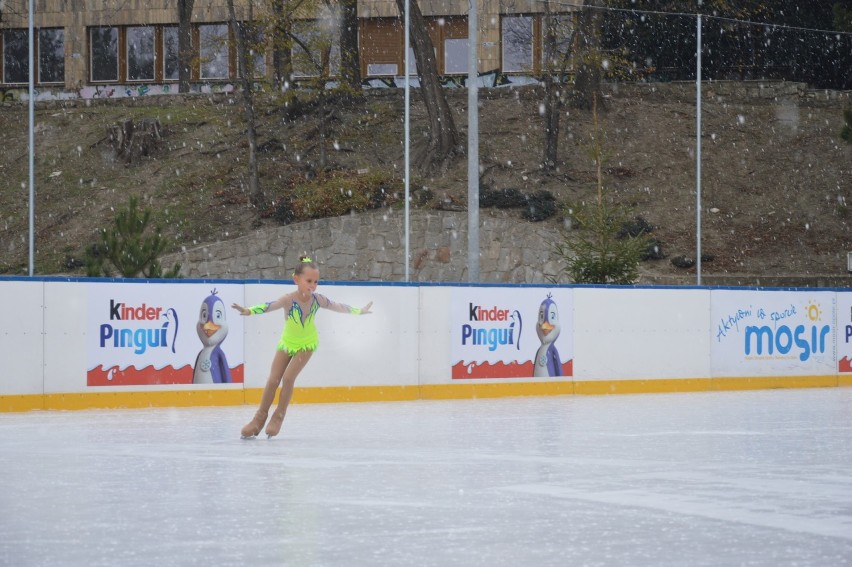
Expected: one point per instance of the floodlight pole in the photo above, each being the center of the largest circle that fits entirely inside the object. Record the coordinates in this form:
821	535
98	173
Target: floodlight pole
407	138
31	105
698	154
472	145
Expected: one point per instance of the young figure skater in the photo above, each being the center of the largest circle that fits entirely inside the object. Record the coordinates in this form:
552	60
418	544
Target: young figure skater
299	340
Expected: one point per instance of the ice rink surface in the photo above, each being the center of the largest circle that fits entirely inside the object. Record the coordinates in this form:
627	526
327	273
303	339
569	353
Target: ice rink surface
730	478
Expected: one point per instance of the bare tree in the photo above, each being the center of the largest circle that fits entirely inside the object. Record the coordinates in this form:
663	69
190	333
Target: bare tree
246	74
443	142
559	36
311	53
587	85
185	54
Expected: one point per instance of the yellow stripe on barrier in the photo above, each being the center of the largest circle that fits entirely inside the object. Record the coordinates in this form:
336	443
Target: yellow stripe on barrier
467	390
492	390
141	399
21	402
769	383
347	394
600	387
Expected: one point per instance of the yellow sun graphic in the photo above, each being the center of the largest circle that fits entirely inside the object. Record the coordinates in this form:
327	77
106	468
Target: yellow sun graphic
814	312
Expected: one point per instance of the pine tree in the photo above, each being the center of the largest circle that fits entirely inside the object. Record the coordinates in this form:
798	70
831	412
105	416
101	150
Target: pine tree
601	253
128	248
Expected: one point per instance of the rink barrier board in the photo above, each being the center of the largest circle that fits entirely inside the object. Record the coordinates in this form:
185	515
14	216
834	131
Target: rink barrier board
663	339
347	394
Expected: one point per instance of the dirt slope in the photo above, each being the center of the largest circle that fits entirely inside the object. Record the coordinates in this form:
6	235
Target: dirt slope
776	177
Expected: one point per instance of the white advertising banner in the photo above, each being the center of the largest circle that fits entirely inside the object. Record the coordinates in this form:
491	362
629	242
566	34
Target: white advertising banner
772	333
511	333
844	332
145	334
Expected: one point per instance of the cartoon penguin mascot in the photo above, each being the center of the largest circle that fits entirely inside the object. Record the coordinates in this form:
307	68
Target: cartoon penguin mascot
547	361
211	366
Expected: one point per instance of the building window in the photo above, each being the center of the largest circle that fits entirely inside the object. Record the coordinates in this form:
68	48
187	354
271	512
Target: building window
103	55
214	51
16	56
450	35
51	56
412	64
378	69
140	53
455	56
150	53
171	70
316	50
517	38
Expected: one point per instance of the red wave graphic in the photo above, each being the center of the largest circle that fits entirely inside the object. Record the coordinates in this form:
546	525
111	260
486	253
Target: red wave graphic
462	371
148	376
844	364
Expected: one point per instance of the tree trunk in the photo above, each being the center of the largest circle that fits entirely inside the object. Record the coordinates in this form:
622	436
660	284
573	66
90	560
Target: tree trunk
552	102
443	142
587	86
350	61
555	66
256	196
185	54
282	61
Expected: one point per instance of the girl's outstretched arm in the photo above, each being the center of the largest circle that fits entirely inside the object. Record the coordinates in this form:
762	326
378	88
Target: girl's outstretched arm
261	307
342	307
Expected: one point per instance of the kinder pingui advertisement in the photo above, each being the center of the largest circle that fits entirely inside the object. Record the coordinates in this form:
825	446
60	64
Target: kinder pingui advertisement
146	334
511	333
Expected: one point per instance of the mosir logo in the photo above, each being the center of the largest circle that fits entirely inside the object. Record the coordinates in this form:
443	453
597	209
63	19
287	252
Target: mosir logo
781	339
121	332
492	337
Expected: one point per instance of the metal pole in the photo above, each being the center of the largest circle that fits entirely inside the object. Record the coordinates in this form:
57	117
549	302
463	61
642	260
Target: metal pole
472	145
407	138
698	155
31	105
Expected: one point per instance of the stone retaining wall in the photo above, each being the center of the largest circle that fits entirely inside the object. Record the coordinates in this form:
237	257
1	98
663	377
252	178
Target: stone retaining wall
371	247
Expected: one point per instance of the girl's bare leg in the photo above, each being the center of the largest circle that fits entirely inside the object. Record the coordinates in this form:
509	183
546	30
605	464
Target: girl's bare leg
279	364
297	363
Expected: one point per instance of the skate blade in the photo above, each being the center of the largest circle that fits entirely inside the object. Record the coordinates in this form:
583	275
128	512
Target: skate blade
248	437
